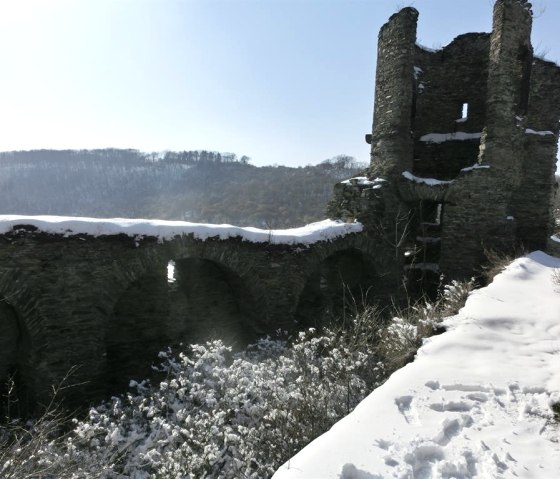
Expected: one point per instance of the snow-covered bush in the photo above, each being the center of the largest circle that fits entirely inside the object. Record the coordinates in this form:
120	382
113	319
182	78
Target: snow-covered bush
454	296
217	414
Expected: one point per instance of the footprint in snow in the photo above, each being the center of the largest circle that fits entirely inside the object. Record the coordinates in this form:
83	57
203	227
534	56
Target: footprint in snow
452	406
451	428
478	397
404	403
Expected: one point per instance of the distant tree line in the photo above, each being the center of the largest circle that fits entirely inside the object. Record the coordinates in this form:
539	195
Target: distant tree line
197	186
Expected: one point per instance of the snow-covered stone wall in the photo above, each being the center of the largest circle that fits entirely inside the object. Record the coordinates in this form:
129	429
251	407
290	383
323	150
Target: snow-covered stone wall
165	230
107	294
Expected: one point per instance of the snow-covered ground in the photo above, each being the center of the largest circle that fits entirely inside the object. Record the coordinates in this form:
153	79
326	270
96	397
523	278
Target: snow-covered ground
165	230
474	403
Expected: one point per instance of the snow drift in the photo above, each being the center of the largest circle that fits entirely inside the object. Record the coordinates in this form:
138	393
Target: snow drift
476	402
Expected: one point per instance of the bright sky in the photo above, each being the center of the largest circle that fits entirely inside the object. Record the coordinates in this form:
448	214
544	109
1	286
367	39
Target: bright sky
282	81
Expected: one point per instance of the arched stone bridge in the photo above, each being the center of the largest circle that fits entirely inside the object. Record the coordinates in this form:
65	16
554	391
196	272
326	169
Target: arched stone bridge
97	294
106	301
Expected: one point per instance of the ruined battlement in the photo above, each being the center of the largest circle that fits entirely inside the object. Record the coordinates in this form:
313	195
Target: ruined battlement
466	137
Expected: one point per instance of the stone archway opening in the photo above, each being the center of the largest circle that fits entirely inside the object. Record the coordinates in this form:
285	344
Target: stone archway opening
15	391
210	301
137	331
343	284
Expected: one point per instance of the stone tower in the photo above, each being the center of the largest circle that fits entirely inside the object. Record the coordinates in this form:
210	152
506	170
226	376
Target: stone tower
463	146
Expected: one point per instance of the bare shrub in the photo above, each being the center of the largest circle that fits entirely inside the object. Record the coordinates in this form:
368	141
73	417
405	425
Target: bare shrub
404	334
37	447
496	262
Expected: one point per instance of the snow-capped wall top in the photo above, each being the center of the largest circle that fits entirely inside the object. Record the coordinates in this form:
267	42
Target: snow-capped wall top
364	181
457	135
427	181
530	131
476	166
165	230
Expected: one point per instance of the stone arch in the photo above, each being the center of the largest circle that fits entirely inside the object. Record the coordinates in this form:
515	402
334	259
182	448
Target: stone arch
344	281
15	364
134	311
238	265
23	317
209	300
146	313
136	324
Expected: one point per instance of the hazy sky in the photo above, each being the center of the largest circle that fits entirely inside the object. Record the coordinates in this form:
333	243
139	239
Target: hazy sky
282	81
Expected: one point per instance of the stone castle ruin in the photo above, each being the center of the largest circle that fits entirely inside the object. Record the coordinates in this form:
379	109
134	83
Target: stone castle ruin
463	145
463	152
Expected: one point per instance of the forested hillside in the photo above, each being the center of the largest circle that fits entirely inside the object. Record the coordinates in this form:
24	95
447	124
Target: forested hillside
198	186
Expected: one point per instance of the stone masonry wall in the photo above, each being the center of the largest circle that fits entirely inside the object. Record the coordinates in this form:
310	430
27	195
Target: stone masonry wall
445	80
391	145
479	214
508	87
489	175
105	305
533	199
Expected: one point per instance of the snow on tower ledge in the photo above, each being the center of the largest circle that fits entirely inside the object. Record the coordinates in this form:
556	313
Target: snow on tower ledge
166	230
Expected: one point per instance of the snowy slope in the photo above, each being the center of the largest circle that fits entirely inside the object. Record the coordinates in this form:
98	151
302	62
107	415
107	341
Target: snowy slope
474	403
164	230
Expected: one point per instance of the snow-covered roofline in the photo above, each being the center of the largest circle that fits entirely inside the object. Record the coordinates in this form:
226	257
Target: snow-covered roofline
530	131
365	181
454	136
427	181
166	230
